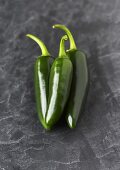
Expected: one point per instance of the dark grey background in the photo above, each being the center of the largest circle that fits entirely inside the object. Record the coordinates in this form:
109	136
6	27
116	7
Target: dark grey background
95	143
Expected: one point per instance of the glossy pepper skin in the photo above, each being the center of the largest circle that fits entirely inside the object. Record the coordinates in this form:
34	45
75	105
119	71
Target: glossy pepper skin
80	81
41	81
59	85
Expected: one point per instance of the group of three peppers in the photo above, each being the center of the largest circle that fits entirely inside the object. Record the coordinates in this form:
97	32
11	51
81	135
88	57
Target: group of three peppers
63	87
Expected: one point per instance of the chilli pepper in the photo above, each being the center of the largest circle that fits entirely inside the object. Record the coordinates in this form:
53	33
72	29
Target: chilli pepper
80	81
59	85
41	80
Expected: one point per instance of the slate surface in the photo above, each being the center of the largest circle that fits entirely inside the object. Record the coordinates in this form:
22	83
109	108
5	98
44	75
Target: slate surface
94	144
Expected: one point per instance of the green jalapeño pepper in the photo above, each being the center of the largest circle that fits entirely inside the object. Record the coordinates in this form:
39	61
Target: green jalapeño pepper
80	81
41	78
59	85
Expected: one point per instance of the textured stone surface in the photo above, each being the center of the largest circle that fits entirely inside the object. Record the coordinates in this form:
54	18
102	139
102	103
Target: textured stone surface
95	143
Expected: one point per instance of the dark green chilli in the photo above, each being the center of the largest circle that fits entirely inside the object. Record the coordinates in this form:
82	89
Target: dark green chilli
41	80
80	81
59	85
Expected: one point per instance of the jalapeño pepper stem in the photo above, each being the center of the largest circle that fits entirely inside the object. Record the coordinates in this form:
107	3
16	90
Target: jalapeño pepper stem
40	43
69	34
62	52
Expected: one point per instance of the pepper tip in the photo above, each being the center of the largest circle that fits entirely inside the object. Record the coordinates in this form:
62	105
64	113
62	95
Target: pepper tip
56	26
27	35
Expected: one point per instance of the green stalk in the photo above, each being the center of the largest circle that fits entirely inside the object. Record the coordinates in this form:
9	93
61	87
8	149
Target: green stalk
40	43
69	34
62	52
